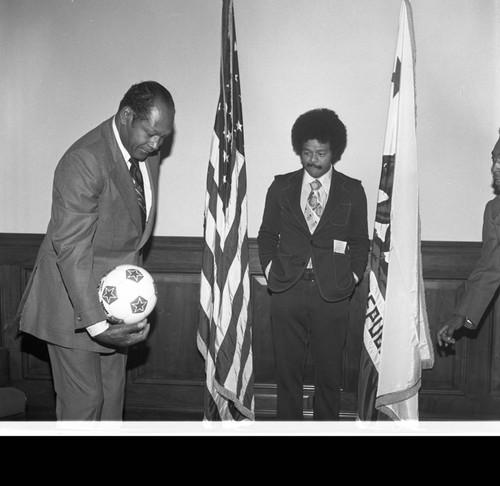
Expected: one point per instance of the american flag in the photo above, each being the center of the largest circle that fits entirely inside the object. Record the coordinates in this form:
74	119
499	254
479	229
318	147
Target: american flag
396	341
224	333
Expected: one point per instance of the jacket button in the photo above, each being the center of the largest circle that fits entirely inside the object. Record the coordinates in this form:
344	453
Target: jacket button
78	318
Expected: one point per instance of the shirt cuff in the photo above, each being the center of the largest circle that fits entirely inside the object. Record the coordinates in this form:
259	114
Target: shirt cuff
268	268
98	328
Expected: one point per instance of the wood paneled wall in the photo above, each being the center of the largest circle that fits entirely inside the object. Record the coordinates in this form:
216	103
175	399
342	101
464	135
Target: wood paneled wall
166	374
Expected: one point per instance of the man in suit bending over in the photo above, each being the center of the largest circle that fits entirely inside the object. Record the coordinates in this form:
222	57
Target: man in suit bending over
484	280
313	247
96	224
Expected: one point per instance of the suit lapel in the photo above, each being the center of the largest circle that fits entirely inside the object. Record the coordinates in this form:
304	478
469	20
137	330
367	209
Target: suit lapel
292	193
334	198
121	176
153	168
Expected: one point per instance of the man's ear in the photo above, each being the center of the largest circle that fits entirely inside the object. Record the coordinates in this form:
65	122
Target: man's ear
126	115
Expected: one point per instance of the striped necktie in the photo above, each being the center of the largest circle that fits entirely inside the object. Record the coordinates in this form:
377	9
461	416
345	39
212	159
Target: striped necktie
136	174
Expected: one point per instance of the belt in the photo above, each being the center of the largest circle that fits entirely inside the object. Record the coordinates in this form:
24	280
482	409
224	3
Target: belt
308	274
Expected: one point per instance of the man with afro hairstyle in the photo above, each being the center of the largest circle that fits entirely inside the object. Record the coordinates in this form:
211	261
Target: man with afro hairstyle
313	247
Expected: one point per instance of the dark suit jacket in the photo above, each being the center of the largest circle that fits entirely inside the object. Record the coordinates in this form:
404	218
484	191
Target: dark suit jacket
484	280
95	225
285	240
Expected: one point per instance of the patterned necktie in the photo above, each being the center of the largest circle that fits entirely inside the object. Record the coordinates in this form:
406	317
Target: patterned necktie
136	174
313	209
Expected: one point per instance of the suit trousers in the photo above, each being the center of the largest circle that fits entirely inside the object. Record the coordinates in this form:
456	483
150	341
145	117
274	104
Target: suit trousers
301	318
89	385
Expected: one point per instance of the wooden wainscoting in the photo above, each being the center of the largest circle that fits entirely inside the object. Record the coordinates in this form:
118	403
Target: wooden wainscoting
166	374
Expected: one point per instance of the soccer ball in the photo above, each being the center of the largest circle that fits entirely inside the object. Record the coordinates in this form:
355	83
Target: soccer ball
127	294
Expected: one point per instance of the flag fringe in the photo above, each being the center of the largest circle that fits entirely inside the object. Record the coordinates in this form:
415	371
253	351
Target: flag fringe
229	395
385	402
397	397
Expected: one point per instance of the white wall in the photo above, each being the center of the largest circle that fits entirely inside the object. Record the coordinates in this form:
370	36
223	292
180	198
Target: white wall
65	65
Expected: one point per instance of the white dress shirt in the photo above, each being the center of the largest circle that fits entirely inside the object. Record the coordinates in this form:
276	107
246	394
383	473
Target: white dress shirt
142	166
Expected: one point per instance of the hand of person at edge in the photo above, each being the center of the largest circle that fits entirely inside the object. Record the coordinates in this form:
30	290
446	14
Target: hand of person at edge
445	334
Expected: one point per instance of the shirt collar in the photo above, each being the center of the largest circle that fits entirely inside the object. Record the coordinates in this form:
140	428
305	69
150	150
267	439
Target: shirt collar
123	150
325	179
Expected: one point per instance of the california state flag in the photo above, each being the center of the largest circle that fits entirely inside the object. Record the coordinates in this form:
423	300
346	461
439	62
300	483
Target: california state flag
396	342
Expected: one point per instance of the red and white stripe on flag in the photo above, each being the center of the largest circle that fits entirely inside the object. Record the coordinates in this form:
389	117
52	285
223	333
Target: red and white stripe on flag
396	339
224	333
